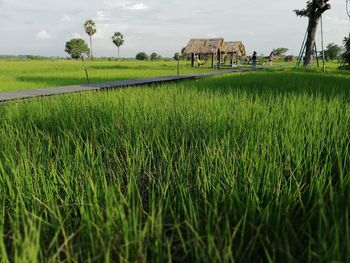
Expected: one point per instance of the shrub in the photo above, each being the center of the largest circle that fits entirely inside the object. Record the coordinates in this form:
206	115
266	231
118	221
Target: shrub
142	56
289	58
154	56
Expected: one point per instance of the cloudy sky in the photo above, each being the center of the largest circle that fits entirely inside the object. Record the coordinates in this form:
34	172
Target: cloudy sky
42	27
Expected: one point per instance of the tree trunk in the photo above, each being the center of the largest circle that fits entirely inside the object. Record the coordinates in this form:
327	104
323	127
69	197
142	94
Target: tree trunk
310	42
316	11
118	53
91	55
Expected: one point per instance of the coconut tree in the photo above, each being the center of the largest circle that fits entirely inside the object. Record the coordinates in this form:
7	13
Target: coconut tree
313	10
90	29
118	40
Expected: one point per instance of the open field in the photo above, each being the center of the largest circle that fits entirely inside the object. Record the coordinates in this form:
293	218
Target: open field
31	74
252	167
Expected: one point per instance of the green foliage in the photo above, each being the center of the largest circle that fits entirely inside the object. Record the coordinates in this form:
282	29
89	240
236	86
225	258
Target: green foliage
185	56
118	39
305	12
77	48
279	54
333	51
90	27
244	168
281	51
289	58
142	56
346	53
313	8
154	56
177	56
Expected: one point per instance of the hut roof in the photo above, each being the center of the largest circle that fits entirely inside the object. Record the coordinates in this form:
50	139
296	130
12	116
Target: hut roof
236	47
205	46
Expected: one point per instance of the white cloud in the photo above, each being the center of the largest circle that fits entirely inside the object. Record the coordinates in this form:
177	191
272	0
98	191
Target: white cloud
115	4
159	25
212	35
125	4
103	31
102	16
66	18
43	35
76	35
336	20
137	6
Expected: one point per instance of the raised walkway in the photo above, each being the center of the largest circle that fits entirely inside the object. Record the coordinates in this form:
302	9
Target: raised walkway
26	94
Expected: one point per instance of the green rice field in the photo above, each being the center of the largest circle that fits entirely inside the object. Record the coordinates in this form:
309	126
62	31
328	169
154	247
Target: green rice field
32	74
251	167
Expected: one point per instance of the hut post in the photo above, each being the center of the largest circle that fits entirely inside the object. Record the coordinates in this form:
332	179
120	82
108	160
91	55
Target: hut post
199	60
219	58
212	60
192	60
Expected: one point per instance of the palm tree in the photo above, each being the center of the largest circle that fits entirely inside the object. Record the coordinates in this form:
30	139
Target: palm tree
118	40
90	29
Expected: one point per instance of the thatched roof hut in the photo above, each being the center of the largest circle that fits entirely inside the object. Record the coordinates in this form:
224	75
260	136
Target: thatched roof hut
215	47
236	47
206	46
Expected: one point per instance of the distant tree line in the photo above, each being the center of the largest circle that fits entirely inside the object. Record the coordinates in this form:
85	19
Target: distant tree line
144	56
28	57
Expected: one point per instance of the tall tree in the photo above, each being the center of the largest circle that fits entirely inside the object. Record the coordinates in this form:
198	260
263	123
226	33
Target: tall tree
90	29
118	40
313	10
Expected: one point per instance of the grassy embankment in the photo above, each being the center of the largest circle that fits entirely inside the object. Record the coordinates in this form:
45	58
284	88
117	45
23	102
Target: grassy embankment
248	168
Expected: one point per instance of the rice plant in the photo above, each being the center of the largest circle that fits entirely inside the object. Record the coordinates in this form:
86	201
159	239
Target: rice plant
246	168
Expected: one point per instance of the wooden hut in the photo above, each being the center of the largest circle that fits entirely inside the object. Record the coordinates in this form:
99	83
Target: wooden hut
236	49
215	47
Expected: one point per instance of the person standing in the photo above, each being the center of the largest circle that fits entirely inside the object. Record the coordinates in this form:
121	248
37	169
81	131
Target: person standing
271	58
254	58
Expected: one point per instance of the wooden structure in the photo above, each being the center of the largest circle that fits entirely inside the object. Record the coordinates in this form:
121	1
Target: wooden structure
214	47
236	50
